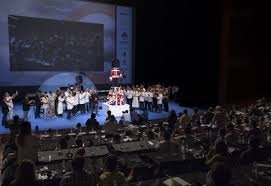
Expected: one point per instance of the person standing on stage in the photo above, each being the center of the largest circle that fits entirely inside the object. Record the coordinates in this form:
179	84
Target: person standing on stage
81	97
75	95
70	103
150	100
129	96
37	104
45	105
141	99
60	104
94	102
87	100
145	95
5	111
166	99
26	107
9	101
159	101
51	97
135	103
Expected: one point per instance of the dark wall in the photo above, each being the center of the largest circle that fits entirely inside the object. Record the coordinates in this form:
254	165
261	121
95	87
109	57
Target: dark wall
245	51
179	42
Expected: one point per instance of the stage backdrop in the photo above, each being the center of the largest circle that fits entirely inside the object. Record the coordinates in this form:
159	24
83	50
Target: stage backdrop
44	39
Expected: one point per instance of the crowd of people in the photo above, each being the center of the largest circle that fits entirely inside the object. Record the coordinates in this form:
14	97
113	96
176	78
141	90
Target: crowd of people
76	100
244	128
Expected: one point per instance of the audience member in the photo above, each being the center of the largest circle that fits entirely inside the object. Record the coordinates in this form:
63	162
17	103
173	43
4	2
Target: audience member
78	176
25	175
26	143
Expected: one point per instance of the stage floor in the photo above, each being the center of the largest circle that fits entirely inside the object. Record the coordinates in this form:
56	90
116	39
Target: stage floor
60	123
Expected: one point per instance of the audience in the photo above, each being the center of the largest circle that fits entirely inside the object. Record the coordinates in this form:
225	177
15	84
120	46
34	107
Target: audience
252	121
167	145
112	176
78	176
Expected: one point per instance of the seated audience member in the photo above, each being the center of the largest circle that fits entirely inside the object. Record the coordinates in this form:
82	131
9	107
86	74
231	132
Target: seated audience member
110	117
135	117
92	123
78	176
26	143
126	117
184	119
218	154
220	118
219	175
172	119
112	176
253	153
167	145
111	126
25	175
79	141
207	117
63	142
231	137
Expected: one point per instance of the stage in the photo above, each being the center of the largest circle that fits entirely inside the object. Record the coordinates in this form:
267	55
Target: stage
60	123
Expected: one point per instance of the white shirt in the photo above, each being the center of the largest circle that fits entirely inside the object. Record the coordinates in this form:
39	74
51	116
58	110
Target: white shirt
159	99
70	102
150	96
82	98
129	94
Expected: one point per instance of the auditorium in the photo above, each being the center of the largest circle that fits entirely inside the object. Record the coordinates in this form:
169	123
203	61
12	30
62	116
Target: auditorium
135	92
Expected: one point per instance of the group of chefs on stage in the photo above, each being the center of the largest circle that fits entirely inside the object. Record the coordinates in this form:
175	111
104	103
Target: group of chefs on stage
77	100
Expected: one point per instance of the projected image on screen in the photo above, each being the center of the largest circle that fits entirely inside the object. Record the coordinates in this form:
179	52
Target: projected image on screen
52	45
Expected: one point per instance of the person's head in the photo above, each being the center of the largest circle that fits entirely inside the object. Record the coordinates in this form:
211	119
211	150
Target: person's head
79	142
63	143
111	163
78	125
109	112
16	118
219	175
93	116
78	162
185	112
25	173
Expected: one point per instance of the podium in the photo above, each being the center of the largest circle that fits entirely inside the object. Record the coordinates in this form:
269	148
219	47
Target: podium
116	110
